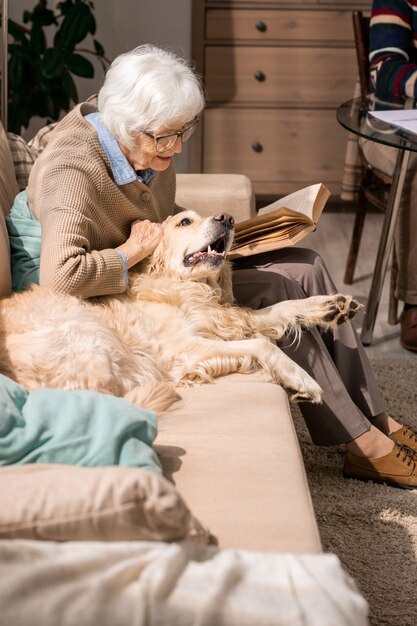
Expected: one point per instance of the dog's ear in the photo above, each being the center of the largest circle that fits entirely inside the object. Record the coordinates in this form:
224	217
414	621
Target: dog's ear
156	261
225	284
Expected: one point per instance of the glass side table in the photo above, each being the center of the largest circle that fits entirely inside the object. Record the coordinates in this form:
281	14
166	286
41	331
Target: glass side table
355	117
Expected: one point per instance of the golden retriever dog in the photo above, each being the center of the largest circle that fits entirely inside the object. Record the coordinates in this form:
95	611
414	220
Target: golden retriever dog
175	325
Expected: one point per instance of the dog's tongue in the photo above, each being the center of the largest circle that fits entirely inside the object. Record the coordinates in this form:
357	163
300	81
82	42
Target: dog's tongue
203	253
196	255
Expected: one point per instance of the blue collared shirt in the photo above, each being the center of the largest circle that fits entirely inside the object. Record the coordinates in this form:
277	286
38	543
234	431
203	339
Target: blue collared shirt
122	171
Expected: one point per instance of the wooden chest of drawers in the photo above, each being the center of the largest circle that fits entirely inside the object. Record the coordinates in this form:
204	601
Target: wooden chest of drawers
274	73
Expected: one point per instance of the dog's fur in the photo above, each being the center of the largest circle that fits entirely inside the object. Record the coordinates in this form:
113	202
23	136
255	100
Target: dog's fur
175	325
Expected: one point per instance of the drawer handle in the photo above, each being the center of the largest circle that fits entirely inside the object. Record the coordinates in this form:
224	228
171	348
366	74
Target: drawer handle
261	26
257	147
259	76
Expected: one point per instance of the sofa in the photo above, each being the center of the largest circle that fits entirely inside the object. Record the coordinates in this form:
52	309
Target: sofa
224	533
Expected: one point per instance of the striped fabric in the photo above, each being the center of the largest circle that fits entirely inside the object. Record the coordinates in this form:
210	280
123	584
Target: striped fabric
393	47
23	158
24	154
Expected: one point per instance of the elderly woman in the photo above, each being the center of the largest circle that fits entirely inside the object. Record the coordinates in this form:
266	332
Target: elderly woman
100	191
106	179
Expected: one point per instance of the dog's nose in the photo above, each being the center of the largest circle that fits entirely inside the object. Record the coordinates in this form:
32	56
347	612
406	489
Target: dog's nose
226	218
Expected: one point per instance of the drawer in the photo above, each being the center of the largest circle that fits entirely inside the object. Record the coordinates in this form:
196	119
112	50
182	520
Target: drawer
357	4
364	5
296	147
262	2
279	25
280	75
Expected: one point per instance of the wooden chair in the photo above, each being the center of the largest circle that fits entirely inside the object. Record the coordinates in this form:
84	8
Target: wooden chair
374	185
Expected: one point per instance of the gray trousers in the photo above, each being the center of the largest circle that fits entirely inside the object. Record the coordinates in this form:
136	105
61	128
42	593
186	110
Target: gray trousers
335	359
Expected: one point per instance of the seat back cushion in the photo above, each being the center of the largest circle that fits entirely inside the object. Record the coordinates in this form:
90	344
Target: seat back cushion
24	154
71	503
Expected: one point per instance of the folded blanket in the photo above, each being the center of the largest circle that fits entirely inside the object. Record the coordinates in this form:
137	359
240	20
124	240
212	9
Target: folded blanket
25	243
156	584
74	427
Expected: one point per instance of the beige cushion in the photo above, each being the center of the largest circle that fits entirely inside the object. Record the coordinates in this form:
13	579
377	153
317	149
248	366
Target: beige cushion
67	502
8	184
232	451
209	194
8	191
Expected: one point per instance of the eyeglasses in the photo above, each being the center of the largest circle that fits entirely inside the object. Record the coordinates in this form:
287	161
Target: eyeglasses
163	143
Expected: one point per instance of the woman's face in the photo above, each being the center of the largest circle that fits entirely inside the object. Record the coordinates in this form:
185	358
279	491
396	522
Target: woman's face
144	155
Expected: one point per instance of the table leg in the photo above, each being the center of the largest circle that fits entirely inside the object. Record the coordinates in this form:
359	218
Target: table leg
385	245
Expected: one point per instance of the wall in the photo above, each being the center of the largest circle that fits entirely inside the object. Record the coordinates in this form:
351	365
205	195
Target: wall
124	24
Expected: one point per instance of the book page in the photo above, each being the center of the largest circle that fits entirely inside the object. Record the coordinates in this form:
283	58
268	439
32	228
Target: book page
279	224
310	201
275	221
270	242
406	118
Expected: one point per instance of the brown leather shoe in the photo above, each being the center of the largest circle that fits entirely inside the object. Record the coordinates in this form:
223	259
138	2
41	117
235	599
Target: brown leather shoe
397	469
405	436
408	337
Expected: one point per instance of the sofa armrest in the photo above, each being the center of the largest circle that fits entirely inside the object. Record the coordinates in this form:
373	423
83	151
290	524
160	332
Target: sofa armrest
209	194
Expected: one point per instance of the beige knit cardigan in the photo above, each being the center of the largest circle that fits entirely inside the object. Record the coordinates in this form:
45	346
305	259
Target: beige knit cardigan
84	215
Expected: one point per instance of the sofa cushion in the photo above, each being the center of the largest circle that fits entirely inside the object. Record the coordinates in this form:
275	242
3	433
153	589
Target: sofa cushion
8	183
232	451
209	194
64	502
8	191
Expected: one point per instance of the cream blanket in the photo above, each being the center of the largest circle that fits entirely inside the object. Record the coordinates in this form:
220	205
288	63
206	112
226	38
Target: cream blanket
178	584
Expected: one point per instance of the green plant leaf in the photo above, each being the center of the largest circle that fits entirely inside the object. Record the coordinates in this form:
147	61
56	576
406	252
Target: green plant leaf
65	6
17	33
98	48
79	65
16	70
69	86
37	38
59	42
52	63
19	115
43	16
76	24
40	79
51	107
93	26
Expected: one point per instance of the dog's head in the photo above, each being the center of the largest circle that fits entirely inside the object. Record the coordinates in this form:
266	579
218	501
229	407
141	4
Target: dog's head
193	247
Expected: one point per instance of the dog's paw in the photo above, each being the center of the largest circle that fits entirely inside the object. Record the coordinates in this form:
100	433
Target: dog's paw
310	391
157	396
339	308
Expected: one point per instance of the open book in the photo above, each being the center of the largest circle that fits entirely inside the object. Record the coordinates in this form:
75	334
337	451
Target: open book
282	223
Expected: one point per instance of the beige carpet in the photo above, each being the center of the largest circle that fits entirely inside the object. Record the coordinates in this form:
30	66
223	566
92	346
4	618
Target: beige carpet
372	528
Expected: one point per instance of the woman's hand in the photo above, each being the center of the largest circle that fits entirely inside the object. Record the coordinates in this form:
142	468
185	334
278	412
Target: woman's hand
142	241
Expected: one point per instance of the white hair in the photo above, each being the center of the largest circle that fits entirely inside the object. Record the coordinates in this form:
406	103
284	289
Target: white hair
148	89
